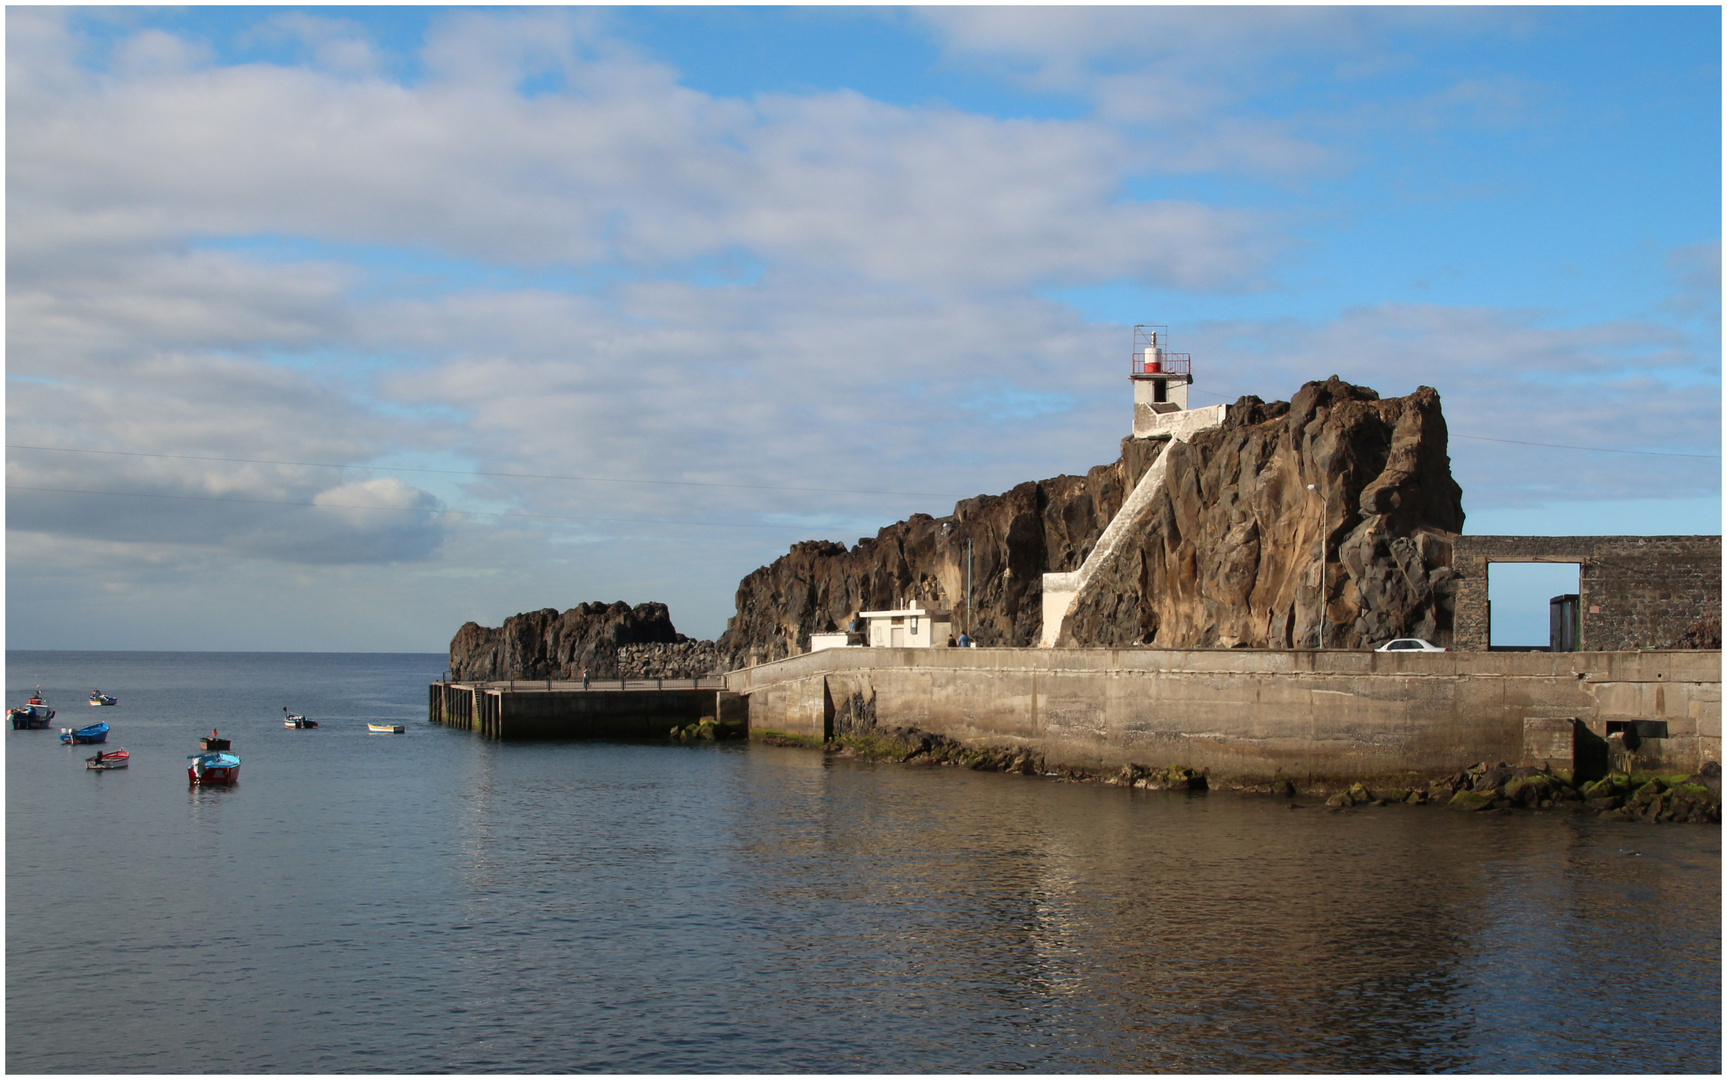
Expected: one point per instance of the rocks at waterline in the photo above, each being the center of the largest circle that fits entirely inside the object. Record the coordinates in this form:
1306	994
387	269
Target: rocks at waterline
1694	798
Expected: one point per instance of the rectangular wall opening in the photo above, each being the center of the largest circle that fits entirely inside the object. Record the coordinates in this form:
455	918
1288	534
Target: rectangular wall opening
1522	612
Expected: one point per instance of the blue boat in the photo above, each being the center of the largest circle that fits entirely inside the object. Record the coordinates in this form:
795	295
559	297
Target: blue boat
95	733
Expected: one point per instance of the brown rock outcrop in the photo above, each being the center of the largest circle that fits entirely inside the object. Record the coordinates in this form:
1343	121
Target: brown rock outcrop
547	645
1015	538
1225	556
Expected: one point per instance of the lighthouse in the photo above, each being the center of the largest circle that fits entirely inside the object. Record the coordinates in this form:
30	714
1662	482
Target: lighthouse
1160	380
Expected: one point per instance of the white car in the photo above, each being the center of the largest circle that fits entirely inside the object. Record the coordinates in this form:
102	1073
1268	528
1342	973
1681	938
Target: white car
1409	644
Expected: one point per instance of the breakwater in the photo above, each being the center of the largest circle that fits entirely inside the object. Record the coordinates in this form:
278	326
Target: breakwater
1245	716
605	709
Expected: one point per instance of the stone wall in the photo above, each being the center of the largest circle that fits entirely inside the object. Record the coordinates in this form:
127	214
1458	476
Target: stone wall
1246	714
1636	591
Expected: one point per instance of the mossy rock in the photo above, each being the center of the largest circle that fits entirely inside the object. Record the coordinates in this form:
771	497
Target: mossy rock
1395	794
1416	798
1605	803
1471	800
1340	799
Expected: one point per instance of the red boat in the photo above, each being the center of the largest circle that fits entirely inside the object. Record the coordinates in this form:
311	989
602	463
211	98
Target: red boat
109	759
213	768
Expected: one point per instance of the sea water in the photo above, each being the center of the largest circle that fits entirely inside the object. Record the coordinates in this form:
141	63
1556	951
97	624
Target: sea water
432	901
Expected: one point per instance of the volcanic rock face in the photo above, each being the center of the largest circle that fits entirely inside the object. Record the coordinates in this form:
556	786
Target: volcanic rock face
1226	555
1038	526
546	645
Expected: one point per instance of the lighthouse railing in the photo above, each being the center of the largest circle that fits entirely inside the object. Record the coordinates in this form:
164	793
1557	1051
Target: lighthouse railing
1170	363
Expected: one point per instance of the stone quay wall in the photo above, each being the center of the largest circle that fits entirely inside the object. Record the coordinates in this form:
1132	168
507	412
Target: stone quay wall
1635	591
1245	715
525	710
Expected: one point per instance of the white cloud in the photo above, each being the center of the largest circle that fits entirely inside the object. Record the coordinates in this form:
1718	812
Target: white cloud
548	255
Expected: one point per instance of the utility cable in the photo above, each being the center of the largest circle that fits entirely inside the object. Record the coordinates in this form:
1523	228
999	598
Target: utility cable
1549	445
401	509
476	472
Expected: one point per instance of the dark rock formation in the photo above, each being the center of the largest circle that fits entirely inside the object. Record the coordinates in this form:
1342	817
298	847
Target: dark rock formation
546	645
1225	557
1039	526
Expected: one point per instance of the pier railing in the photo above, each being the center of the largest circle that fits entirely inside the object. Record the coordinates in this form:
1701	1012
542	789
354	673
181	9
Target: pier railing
705	682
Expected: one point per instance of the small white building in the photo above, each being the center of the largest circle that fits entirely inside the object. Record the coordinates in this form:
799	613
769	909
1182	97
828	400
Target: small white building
911	627
832	640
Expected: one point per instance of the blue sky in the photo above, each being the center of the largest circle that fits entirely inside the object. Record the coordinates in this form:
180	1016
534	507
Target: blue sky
309	290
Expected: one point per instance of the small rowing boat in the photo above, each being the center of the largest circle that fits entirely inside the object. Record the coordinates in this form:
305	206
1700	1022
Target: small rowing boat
94	733
295	720
97	697
109	759
386	729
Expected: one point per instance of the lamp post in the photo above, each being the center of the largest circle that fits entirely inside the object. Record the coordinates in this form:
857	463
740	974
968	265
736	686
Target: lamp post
1324	511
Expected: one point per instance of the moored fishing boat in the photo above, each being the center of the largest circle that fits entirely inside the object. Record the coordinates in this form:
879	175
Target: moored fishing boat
109	759
93	733
386	729
295	720
32	716
97	697
215	767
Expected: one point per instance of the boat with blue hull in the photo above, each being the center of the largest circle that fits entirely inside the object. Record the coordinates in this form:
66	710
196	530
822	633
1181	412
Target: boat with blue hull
94	733
97	697
33	715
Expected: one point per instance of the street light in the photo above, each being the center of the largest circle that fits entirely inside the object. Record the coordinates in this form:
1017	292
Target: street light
1324	508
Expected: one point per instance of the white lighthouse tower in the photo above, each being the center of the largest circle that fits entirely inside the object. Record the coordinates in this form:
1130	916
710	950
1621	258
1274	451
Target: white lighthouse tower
1160	380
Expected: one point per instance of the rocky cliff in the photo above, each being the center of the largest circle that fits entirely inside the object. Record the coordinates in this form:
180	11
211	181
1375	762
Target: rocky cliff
1014	539
1227	555
547	645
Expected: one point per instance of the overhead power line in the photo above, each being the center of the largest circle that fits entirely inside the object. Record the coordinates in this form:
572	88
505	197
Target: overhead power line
402	509
1593	449
477	472
1549	445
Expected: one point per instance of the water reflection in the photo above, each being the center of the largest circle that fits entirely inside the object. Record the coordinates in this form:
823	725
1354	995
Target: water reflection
477	906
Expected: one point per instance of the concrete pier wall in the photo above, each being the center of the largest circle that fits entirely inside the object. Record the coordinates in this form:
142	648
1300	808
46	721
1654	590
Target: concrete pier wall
526	712
1250	713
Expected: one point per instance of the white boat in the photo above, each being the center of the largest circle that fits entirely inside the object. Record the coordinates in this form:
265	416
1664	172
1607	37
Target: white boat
386	729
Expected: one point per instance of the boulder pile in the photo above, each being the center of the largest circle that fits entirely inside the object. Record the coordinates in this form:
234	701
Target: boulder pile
707	729
1694	798
685	659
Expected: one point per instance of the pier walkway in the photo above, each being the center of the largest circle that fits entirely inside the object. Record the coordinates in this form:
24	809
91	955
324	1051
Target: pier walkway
558	709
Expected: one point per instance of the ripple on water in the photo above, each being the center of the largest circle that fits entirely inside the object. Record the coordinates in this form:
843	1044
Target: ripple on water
433	902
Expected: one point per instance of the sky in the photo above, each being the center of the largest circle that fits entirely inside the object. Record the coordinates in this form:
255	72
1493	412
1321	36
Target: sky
331	329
